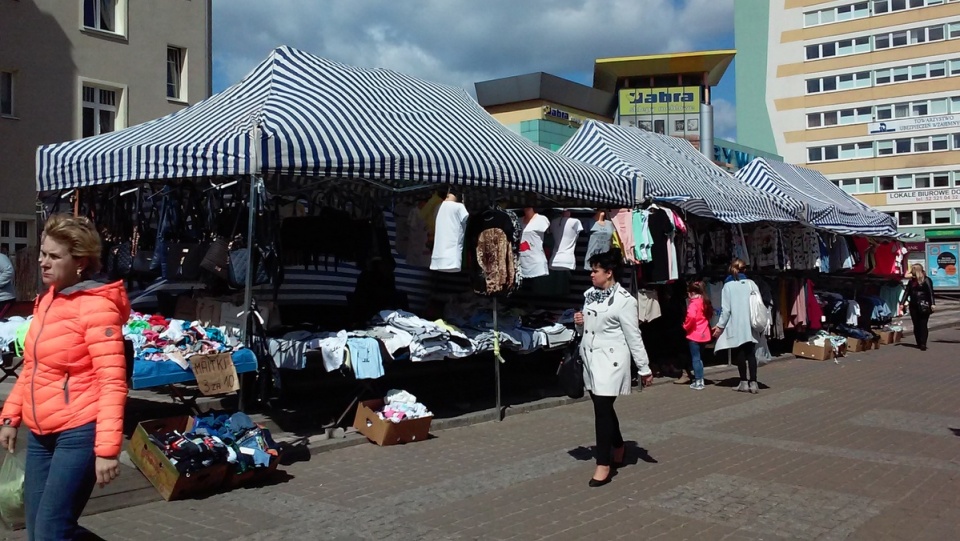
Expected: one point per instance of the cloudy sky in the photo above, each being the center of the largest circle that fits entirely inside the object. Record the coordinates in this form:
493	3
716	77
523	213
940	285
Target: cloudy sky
462	42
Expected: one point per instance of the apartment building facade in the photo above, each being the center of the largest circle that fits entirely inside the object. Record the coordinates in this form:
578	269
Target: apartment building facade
865	91
76	68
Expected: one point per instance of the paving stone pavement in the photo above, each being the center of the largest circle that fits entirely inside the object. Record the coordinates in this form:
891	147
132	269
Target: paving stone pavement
866	448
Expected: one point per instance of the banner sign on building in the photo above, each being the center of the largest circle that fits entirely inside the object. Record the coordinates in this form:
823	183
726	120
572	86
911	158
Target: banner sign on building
923	196
914	124
670	110
942	264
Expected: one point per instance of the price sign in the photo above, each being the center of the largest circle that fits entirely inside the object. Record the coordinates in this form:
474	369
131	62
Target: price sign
215	374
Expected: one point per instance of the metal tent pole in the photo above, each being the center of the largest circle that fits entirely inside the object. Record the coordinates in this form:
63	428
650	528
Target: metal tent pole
497	359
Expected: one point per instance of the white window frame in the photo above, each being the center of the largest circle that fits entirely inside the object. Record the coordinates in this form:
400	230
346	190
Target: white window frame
835	14
181	91
948	217
11	82
11	239
120	120
119	18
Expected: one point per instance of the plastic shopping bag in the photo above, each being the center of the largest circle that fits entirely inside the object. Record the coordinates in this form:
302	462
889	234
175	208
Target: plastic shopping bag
11	490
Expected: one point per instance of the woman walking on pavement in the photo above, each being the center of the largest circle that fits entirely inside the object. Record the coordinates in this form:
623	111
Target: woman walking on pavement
73	387
920	299
611	336
734	329
697	327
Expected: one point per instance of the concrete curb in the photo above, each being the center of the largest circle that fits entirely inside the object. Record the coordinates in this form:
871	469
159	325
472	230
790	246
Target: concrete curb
322	443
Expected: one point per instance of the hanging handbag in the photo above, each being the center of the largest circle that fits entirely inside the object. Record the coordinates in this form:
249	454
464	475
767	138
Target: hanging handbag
183	261
570	372
240	261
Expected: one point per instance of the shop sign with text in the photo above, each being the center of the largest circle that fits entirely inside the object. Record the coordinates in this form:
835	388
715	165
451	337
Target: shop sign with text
923	196
674	100
561	116
914	124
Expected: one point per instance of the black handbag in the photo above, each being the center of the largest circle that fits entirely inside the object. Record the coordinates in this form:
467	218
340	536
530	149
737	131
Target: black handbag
183	261
570	372
217	259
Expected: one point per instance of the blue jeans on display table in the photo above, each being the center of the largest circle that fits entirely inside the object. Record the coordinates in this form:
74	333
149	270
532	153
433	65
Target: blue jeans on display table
695	359
58	481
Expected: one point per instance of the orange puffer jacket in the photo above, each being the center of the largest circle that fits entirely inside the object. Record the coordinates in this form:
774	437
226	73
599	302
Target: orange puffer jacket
74	370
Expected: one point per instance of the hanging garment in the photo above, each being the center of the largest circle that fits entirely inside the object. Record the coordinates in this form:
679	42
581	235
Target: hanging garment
814	314
648	304
765	248
494	248
448	240
599	241
739	244
673	260
623	223
564	232
418	240
658	271
643	242
533	260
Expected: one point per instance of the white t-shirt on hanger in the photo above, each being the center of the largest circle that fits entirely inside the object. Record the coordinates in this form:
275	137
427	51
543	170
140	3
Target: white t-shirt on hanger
448	239
565	232
533	260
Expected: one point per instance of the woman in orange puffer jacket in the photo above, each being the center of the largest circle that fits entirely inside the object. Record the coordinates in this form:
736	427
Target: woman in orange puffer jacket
72	390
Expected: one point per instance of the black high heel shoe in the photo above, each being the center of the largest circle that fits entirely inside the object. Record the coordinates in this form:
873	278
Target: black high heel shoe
594	483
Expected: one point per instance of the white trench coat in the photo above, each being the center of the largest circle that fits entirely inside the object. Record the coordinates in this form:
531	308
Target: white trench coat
611	336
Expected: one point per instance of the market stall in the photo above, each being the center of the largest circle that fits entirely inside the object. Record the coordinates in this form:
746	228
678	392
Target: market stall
301	127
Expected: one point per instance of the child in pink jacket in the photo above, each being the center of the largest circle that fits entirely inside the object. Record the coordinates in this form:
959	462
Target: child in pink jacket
697	327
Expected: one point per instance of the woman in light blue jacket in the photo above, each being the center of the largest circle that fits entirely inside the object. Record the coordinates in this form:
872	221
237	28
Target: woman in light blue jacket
610	328
734	329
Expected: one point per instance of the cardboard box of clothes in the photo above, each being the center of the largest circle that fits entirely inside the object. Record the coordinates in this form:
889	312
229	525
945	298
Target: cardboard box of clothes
382	432
162	473
890	337
855	345
817	353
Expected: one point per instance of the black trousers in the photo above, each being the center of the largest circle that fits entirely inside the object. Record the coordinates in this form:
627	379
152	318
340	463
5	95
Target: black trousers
608	428
920	322
745	355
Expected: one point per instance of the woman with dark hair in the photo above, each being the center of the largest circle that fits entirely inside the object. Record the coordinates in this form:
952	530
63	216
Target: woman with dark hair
611	336
734	330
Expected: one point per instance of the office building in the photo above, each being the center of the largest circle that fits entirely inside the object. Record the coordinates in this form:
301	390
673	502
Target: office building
76	68
867	92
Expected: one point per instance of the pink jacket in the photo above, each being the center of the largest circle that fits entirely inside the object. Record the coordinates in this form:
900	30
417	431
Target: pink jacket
696	324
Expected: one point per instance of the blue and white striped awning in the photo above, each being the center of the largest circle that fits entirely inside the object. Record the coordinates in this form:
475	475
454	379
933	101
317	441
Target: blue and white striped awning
300	115
672	169
828	207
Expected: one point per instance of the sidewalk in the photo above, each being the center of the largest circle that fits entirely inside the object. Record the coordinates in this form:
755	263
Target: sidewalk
863	448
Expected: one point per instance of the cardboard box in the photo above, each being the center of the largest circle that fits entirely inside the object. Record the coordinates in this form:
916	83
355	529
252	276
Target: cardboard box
381	432
887	337
817	353
158	469
897	337
855	345
235	480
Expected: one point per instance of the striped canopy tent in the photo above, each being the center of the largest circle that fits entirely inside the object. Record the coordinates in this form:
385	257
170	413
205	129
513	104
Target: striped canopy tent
670	168
829	207
297	115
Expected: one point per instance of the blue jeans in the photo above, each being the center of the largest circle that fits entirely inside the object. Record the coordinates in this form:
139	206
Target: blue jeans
695	359
58	481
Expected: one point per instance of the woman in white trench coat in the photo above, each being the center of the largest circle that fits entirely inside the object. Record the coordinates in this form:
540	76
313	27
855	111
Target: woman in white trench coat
611	336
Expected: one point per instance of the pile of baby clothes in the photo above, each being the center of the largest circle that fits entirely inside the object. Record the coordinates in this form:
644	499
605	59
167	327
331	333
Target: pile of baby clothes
156	338
218	438
400	406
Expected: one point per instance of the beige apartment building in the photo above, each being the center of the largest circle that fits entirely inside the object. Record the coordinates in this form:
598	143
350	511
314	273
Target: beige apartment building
867	92
76	68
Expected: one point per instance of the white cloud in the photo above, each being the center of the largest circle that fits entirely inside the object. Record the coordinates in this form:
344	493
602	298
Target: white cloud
461	43
724	119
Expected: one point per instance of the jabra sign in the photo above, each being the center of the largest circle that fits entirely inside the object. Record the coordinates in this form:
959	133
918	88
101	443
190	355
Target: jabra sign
663	97
660	101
